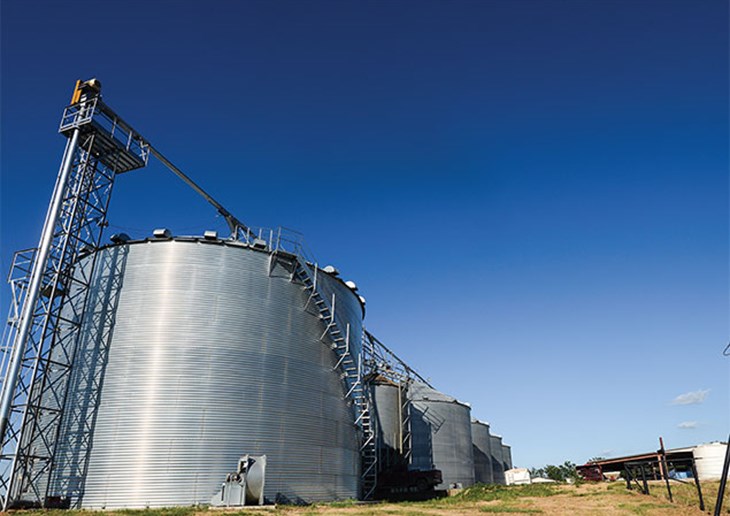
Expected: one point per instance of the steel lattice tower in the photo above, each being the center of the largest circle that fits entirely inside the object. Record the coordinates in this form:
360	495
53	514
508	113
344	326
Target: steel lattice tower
49	293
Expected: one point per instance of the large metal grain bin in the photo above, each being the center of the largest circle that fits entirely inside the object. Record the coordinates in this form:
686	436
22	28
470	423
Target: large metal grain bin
495	446
482	452
195	353
441	433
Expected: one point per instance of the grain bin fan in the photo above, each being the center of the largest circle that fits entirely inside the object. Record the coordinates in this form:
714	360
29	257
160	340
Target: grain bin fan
245	486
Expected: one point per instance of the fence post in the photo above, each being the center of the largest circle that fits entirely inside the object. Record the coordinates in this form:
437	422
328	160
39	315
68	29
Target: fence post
643	478
697	483
665	468
723	480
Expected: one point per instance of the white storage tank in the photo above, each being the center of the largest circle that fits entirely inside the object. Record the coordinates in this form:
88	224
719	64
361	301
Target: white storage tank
517	476
709	459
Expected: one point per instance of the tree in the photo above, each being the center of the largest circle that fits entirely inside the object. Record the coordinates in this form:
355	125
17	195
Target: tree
554	473
537	473
559	473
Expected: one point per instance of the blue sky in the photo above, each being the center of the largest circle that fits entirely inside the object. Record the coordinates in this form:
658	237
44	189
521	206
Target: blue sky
532	195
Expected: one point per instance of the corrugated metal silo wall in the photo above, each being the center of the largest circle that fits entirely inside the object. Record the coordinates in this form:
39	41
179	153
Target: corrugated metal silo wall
209	358
347	308
507	456
441	436
482	452
495	443
388	417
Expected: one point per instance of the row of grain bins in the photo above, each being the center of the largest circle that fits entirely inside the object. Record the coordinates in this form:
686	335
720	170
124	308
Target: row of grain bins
197	350
428	430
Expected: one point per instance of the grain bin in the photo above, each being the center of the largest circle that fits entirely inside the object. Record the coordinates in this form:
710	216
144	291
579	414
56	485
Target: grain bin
441	433
482	453
506	456
389	403
495	446
195	353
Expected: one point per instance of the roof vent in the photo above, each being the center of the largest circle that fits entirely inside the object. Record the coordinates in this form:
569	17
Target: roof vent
331	270
351	284
210	235
120	238
362	300
162	233
259	243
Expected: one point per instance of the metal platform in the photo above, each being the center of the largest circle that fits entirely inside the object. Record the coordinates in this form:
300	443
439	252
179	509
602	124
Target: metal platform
115	143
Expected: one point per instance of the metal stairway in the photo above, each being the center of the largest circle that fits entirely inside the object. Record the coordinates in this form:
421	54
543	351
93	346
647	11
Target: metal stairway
349	362
379	361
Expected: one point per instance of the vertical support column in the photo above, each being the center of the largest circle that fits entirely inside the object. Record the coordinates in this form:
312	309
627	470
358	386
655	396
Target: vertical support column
39	266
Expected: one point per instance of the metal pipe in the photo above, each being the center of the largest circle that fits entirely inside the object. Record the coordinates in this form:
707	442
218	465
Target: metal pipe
233	223
34	288
374	340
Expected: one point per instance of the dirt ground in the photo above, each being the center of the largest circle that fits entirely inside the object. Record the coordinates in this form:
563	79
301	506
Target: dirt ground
611	499
583	500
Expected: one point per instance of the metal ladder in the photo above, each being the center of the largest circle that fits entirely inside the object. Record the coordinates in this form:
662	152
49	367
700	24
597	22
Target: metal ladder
350	363
18	279
406	437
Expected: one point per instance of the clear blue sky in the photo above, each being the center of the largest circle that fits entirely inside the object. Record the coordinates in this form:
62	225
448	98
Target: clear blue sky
532	195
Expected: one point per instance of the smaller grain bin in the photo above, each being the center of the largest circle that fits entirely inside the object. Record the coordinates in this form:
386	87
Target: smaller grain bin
506	456
709	460
495	443
441	435
481	451
390	402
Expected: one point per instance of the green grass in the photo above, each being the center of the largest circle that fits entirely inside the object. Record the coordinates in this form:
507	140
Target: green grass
508	509
643	508
619	487
609	489
682	494
342	503
484	492
172	511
